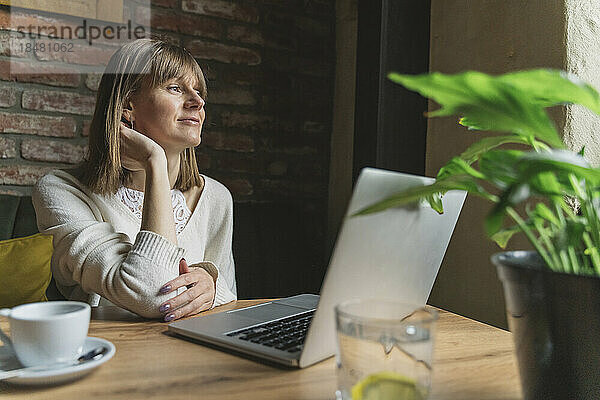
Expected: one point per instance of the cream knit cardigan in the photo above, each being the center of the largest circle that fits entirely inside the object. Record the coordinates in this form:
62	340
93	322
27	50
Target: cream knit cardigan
101	256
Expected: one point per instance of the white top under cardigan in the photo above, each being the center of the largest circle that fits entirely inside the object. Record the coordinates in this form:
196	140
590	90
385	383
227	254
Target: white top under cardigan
134	200
101	256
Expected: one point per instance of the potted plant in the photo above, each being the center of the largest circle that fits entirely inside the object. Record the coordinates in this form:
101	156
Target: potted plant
540	189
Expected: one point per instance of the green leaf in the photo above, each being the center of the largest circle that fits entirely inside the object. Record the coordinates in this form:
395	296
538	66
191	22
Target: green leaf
514	194
410	196
545	173
547	184
552	87
557	155
485	102
542	211
575	229
435	200
500	166
458	166
502	236
469	124
560	162
471	154
569	235
493	222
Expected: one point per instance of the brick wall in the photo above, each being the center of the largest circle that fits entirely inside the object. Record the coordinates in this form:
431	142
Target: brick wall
269	64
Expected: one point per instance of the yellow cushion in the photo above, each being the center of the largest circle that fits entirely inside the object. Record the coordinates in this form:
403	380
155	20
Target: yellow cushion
25	269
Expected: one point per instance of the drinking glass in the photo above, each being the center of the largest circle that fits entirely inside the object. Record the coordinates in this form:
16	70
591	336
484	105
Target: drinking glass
384	350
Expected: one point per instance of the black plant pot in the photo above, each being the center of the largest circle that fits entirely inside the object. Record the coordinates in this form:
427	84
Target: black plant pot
555	321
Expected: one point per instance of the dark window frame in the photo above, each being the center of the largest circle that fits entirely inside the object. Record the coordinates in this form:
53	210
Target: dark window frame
390	126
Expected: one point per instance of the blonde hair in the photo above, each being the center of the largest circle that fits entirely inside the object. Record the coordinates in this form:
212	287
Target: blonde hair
141	64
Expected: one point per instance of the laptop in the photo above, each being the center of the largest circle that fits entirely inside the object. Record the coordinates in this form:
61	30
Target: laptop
394	254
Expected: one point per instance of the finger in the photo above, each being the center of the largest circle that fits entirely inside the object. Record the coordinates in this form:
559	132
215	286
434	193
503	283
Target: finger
197	305
189	310
183	267
203	307
186	296
180	281
191	278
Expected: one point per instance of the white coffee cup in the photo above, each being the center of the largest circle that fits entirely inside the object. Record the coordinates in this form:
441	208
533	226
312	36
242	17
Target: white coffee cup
47	332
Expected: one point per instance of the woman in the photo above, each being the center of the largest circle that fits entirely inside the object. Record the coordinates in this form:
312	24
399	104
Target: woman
130	218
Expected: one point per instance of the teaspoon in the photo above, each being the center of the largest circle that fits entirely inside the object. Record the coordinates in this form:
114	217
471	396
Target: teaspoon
92	355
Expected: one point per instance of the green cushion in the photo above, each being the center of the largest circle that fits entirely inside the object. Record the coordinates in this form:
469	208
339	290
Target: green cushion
17	219
25	269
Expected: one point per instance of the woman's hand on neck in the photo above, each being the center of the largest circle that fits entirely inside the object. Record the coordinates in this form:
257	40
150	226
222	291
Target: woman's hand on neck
138	178
139	153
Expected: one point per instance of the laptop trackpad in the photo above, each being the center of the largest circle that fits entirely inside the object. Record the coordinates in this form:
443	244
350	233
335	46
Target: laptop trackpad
267	312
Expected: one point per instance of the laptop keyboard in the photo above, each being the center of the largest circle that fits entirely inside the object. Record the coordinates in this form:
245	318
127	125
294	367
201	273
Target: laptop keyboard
286	334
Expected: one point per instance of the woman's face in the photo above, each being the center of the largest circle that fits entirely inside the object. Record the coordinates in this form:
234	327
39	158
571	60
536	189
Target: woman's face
171	114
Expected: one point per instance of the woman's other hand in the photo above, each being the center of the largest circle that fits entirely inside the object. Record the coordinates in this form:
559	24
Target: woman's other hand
137	149
198	297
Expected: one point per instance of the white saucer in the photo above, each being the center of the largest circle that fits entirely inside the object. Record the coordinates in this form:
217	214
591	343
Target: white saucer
60	375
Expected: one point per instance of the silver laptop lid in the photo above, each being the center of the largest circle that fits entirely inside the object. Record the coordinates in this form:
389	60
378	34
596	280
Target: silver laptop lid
394	254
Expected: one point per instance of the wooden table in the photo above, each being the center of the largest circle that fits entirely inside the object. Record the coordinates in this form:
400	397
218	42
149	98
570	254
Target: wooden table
472	361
